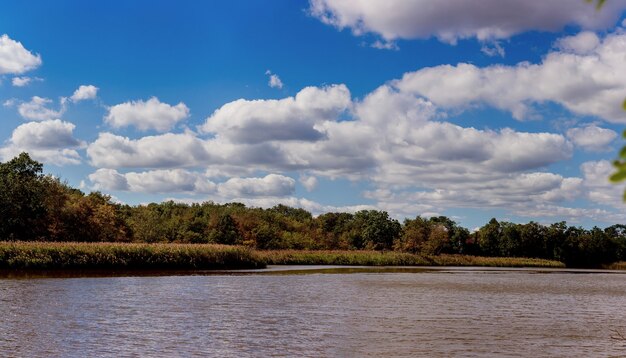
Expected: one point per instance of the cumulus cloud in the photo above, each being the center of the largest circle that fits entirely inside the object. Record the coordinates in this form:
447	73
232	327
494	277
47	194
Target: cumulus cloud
592	137
572	214
451	20
14	58
45	135
274	81
582	43
146	115
440	144
113	151
272	185
393	138
308	182
509	191
599	189
37	109
314	207
291	118
108	179
84	92
21	81
50	141
593	83
185	181
155	181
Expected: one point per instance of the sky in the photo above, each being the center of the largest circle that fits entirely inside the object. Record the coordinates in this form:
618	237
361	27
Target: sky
473	110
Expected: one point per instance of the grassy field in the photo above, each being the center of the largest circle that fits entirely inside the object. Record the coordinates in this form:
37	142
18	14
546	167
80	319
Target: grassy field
44	256
390	258
117	256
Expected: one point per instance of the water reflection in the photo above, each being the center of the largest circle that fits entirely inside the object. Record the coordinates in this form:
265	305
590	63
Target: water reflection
372	313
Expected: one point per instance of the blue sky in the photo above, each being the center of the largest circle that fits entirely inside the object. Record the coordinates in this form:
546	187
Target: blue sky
508	109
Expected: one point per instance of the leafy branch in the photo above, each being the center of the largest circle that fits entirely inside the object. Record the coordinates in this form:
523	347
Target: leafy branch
620	164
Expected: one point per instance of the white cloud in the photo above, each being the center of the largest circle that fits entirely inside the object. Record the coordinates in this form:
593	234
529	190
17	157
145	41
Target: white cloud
582	43
592	138
274	81
84	92
586	84
308	182
24	81
108	179
50	141
151	114
267	202
385	45
391	138
272	185
599	189
37	109
492	49
45	135
504	151
163	151
155	181
14	58
572	215
184	181
291	118
509	191
21	81
451	20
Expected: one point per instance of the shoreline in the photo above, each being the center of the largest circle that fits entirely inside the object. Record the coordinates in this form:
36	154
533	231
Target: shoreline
288	270
193	258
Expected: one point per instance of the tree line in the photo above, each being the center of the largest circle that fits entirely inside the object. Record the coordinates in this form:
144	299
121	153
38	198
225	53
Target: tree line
38	207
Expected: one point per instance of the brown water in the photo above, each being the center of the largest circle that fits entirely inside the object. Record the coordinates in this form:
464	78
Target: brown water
372	313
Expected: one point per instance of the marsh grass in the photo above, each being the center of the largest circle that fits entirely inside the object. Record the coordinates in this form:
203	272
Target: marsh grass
122	256
620	265
390	258
45	256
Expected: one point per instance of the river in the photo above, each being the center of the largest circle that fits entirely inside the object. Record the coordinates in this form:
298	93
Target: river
326	312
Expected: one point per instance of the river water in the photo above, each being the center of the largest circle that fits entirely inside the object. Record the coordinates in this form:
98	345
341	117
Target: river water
317	313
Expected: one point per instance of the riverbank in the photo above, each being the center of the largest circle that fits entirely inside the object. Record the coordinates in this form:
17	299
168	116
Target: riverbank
123	256
117	256
390	258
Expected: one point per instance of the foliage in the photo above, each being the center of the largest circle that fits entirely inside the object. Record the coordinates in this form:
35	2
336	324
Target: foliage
22	195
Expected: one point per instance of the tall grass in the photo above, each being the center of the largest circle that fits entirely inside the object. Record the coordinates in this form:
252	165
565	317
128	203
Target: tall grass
29	255
107	256
376	258
620	265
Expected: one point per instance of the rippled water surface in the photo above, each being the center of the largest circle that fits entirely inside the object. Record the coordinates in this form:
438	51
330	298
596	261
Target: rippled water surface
370	313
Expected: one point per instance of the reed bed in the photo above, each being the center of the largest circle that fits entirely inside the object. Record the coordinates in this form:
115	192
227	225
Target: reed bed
620	265
467	260
124	256
45	256
390	258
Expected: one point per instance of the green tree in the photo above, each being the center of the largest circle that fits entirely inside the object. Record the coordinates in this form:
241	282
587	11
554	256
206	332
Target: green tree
489	238
509	242
378	230
22	210
414	234
226	231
